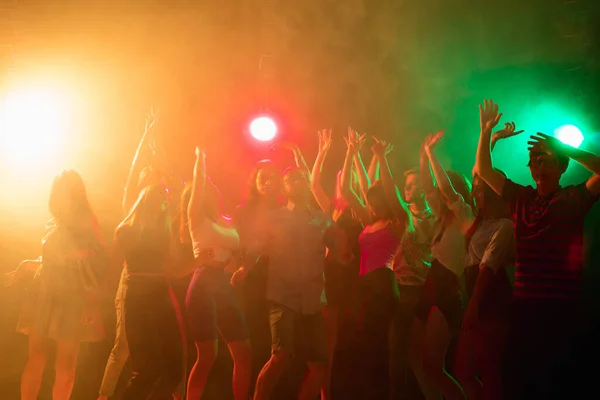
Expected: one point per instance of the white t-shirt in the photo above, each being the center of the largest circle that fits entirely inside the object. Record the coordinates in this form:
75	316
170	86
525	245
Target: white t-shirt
224	240
492	244
449	245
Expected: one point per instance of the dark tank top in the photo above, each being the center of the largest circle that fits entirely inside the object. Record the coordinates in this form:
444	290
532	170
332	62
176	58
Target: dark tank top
148	256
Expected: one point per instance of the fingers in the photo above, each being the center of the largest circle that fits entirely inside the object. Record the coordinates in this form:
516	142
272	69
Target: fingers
542	135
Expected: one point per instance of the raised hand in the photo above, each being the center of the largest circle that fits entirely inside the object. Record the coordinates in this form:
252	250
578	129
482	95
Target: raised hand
432	139
543	143
152	118
488	115
381	147
508	131
200	153
324	140
351	140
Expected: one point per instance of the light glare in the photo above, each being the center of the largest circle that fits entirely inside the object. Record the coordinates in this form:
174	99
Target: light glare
263	129
569	134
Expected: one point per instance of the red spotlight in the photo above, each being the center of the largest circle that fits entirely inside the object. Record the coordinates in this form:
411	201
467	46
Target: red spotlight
263	129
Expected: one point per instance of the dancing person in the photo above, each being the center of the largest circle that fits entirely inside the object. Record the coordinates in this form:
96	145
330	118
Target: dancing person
144	240
211	302
141	174
295	238
262	198
62	303
340	278
385	217
411	266
485	322
440	311
549	316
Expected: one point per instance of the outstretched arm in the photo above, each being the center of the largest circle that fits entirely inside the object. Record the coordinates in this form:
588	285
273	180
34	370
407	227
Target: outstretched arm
380	149
198	188
363	178
488	117
130	193
347	192
444	184
315	183
298	157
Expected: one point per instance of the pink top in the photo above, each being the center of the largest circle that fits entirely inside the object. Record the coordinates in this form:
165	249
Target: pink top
377	250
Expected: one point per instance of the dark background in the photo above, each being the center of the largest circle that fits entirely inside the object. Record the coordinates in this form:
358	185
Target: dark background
396	69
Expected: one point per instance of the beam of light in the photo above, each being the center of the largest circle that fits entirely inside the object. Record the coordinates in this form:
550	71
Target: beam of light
33	121
569	134
263	129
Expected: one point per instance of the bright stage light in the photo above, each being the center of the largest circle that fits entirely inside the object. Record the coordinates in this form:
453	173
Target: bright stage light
569	134
33	121
263	129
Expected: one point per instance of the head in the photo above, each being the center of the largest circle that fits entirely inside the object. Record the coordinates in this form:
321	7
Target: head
485	199
377	202
68	203
295	184
546	170
152	210
413	191
264	181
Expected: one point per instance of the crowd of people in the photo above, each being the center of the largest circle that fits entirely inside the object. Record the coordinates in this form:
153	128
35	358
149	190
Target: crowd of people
367	286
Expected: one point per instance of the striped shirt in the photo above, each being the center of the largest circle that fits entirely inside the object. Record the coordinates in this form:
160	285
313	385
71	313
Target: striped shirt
549	239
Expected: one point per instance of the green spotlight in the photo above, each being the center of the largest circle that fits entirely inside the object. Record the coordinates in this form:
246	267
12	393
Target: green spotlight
569	134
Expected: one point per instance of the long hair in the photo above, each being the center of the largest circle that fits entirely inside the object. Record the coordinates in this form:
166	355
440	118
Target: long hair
69	205
462	185
252	195
151	211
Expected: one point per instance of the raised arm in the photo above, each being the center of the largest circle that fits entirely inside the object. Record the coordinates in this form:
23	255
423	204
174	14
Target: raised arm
130	193
488	119
444	184
380	149
346	183
547	144
198	188
298	157
373	170
363	178
315	184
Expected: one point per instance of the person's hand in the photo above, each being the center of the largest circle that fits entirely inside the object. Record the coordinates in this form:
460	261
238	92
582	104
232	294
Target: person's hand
324	140
200	153
508	131
389	149
238	276
543	143
431	140
22	271
471	317
351	141
488	116
151	118
381	147
357	139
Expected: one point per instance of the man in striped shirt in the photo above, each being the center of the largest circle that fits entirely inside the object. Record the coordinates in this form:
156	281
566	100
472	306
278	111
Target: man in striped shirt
548	314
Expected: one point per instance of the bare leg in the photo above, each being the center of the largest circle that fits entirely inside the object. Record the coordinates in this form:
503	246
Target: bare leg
464	366
242	368
31	379
270	374
207	353
415	359
437	340
65	364
314	381
331	320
